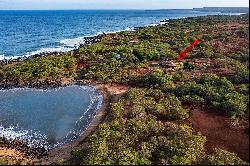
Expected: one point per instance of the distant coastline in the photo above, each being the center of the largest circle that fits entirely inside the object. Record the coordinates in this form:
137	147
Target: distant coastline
102	85
62	43
224	9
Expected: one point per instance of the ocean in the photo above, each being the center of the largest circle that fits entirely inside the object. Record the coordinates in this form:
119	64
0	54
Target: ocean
25	33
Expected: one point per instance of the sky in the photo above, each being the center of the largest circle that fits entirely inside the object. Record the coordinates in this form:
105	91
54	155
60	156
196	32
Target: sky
117	4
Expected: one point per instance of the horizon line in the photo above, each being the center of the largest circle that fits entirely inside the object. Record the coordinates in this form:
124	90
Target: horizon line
127	8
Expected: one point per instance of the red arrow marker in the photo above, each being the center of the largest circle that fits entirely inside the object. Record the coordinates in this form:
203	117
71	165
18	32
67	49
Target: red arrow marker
183	55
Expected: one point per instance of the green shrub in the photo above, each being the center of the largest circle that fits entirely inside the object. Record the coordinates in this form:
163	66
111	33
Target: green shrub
240	77
243	89
157	79
156	103
136	142
242	56
223	157
180	147
188	65
2	162
192	99
134	136
217	92
169	108
41	68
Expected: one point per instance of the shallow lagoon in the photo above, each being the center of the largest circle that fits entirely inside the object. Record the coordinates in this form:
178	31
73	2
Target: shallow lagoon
47	118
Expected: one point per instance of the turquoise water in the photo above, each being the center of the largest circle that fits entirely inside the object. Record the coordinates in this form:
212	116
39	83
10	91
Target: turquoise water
25	33
47	118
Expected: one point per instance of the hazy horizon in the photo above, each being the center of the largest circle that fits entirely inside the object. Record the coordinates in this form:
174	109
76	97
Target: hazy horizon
116	4
114	9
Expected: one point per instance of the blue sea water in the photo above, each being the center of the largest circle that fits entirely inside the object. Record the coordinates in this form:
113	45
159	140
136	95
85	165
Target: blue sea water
24	33
47	118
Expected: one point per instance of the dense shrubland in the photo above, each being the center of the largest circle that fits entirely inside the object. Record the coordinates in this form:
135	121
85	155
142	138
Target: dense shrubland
145	125
135	135
223	157
217	92
141	130
50	68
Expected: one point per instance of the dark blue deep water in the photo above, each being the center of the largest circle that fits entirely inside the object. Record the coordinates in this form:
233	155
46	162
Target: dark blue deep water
30	32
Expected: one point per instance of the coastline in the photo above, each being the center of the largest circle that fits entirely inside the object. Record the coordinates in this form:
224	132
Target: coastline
64	152
87	40
106	89
42	156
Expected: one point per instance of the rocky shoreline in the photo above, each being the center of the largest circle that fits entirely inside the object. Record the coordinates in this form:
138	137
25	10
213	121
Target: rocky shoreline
87	41
23	147
41	155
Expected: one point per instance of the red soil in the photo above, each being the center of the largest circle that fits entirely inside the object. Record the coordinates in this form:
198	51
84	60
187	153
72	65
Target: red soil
220	131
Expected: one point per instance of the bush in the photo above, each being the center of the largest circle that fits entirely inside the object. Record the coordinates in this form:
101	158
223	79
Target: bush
241	56
192	99
188	65
134	136
41	68
223	157
243	89
2	162
156	79
159	79
180	147
217	92
136	143
240	77
156	103
169	108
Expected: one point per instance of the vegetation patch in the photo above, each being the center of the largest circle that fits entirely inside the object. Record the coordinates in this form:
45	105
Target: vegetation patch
134	135
44	68
223	157
217	92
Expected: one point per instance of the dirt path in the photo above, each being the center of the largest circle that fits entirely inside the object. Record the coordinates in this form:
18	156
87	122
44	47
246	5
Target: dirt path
220	131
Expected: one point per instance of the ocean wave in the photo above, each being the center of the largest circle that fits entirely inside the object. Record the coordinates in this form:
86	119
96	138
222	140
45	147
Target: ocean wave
74	43
65	45
37	52
3	57
152	25
48	50
33	138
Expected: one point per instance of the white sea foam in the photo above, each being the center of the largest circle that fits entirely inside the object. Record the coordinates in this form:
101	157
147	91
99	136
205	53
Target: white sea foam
2	57
76	42
73	43
34	139
152	25
66	45
49	50
40	51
